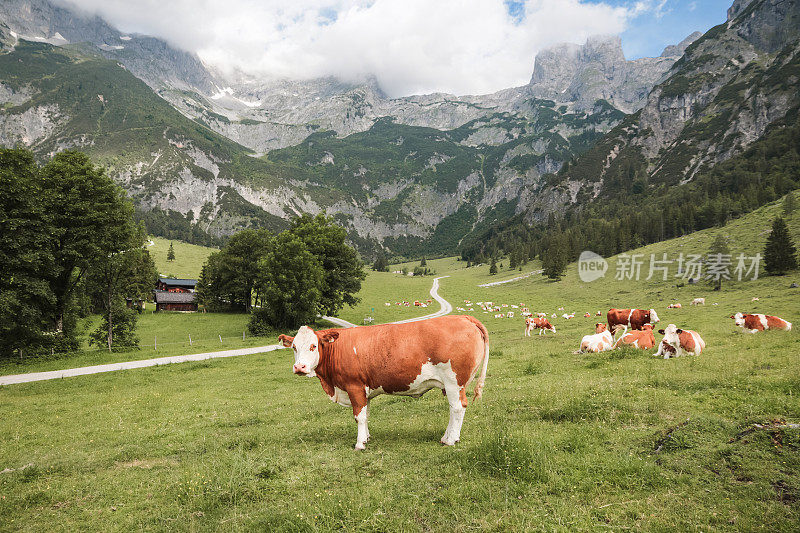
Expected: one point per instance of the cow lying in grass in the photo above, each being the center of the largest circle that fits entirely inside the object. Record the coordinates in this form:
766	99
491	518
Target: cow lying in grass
755	323
677	342
599	342
643	339
355	365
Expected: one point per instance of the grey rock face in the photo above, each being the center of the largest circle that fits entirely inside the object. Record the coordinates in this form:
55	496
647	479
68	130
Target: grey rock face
599	70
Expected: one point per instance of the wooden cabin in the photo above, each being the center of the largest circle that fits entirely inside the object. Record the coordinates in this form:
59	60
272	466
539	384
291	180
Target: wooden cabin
173	294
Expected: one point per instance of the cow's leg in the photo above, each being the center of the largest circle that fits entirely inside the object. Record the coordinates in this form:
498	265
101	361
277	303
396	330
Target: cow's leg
358	399
457	398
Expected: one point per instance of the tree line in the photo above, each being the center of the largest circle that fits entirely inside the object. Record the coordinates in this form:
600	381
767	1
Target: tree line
284	280
69	246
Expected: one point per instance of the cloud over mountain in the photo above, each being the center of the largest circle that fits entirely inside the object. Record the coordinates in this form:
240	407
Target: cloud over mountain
410	46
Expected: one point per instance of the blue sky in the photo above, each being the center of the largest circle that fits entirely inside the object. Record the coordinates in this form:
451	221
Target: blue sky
650	32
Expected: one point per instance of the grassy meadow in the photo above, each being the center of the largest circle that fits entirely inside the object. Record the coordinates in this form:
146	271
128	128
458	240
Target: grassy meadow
189	258
560	441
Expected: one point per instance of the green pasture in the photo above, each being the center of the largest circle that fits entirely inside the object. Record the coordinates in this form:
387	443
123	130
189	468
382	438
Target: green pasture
189	258
560	441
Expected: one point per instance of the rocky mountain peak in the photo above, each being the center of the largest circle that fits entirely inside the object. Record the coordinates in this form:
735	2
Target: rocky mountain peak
737	7
677	50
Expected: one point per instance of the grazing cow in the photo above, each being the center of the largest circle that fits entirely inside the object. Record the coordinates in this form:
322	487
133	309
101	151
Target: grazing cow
674	306
756	323
698	301
677	342
540	323
567	316
633	318
754	299
599	313
356	364
599	342
587	315
643	339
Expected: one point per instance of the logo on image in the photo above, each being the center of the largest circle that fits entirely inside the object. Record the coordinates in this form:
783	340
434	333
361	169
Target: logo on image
591	266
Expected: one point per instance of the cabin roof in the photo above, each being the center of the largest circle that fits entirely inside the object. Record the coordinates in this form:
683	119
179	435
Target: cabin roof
177	282
166	297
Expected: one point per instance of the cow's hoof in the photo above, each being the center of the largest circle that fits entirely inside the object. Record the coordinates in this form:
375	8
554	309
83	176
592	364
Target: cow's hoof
360	447
448	442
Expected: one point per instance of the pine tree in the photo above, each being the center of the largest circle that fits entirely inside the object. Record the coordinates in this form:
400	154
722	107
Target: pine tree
554	259
171	253
423	263
493	267
780	254
719	248
380	264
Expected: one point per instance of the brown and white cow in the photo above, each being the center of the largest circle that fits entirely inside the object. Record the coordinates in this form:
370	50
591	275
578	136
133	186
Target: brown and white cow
755	322
540	323
355	365
674	306
632	318
677	342
643	339
599	342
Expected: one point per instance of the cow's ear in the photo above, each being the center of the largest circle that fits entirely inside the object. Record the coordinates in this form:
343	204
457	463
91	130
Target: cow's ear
661	331
679	331
285	340
330	336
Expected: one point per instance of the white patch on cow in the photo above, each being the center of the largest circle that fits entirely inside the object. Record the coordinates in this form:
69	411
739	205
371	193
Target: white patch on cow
363	433
653	316
599	342
431	376
354	351
340	397
763	320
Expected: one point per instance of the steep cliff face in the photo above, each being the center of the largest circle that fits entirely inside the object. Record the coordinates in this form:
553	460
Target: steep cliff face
729	86
599	70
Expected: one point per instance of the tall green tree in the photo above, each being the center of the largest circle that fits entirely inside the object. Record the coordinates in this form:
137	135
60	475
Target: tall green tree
128	273
380	264
88	216
291	282
171	253
229	276
780	254
342	269
719	250
25	255
555	258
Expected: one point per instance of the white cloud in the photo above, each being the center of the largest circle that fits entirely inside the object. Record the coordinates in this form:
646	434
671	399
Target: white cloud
411	46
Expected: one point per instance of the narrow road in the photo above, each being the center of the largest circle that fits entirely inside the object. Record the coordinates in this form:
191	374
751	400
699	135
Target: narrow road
529	274
97	369
445	308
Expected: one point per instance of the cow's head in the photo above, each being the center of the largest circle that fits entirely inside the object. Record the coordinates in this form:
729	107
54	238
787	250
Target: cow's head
653	316
306	349
671	334
599	327
647	327
738	319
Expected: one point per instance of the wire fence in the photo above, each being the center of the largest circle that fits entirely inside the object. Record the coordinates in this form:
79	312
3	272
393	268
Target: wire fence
155	345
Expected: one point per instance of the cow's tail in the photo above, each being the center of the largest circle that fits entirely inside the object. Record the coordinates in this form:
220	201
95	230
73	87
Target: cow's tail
485	337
